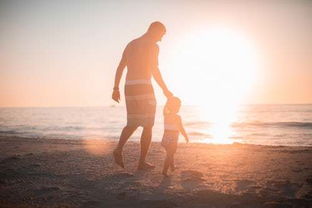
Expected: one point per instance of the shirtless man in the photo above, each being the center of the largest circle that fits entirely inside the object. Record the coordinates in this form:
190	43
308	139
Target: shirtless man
141	58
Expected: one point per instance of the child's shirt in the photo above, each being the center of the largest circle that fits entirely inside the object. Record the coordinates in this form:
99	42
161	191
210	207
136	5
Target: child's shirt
171	129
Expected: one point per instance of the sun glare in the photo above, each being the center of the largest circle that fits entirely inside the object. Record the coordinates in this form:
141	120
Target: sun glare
217	68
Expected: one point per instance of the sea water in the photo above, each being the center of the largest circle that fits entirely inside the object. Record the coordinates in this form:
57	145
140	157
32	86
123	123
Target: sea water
289	125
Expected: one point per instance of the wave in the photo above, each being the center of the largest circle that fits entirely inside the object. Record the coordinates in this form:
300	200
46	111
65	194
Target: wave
197	123
197	133
63	128
275	124
202	124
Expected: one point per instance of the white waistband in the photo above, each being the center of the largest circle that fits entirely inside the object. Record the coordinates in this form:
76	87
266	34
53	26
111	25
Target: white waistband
140	97
138	81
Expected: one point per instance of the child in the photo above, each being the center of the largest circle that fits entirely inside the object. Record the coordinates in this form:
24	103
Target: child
172	127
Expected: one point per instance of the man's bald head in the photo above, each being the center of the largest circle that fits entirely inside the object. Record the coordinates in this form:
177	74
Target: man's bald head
156	30
157	27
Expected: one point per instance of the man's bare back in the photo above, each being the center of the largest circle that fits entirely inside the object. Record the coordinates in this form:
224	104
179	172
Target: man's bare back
142	57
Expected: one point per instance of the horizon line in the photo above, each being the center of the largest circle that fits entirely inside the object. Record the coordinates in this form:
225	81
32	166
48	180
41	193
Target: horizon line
122	105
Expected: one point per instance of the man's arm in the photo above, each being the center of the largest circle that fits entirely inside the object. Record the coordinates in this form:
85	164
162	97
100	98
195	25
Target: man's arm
158	78
119	71
157	75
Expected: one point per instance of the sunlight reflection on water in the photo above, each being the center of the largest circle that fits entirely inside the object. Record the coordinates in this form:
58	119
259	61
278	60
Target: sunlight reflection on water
221	118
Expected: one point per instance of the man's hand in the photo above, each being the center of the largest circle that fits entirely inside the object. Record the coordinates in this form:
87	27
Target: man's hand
167	93
116	95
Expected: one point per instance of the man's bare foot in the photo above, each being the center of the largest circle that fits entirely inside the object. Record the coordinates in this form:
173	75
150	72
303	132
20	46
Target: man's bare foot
145	166
118	158
172	168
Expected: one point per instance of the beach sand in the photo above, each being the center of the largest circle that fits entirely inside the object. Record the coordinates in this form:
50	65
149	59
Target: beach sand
71	173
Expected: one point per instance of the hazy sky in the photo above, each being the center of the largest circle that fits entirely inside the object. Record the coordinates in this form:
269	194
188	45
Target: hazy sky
64	53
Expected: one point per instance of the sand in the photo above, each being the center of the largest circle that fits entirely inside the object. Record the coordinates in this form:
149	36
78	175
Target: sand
71	173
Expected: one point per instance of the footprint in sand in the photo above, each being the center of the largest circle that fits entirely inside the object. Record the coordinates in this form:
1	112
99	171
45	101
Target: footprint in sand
191	179
191	173
245	186
309	180
46	189
123	175
10	159
284	188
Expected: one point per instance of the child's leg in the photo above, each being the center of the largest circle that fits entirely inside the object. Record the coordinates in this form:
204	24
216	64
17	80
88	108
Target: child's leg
173	151
172	167
168	162
166	165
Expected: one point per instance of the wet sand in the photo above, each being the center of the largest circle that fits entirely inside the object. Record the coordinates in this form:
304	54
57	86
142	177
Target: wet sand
69	173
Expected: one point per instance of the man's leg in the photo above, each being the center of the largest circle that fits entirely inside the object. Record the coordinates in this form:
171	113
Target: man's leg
125	134
146	138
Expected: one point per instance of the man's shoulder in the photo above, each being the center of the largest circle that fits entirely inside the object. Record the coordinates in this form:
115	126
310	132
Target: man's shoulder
132	42
141	42
136	40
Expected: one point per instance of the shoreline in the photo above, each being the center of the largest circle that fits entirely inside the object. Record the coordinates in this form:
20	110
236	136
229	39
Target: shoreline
38	172
131	140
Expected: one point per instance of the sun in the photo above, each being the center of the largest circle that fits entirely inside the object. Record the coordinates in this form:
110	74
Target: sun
215	69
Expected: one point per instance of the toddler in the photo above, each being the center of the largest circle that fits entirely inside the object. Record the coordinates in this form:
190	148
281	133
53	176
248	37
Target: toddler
172	127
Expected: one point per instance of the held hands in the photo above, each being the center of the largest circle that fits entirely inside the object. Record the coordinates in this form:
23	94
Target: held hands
116	95
167	93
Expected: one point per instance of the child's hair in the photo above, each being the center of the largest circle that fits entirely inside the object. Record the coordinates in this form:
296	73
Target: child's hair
173	105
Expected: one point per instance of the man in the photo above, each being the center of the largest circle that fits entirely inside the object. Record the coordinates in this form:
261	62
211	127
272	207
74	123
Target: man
141	58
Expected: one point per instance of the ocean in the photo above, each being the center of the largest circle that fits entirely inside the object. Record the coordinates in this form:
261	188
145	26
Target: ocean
289	125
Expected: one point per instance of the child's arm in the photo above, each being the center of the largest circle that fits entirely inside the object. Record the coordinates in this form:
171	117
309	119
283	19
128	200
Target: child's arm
182	130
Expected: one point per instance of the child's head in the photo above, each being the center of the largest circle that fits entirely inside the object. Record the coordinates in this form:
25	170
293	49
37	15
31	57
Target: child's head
173	105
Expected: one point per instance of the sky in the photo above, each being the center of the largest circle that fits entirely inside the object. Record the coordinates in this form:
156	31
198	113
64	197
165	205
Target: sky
65	53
